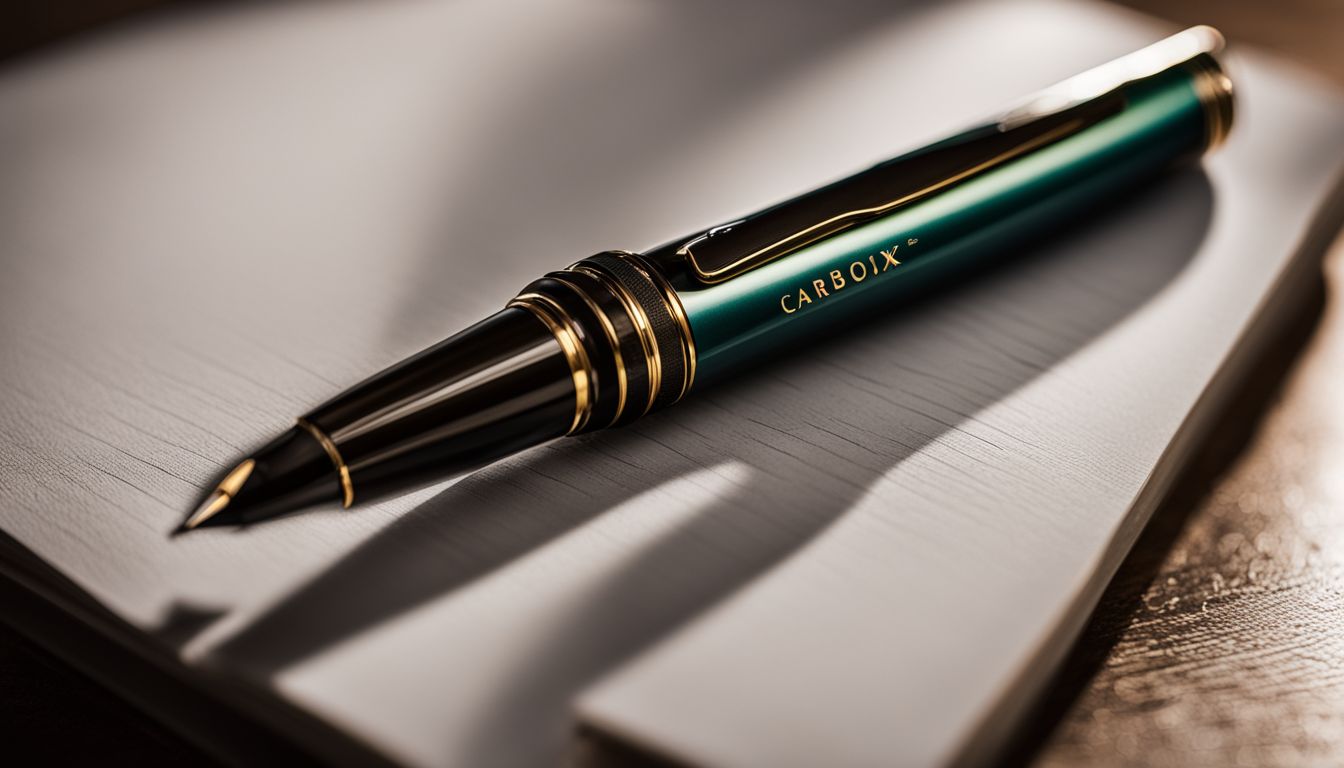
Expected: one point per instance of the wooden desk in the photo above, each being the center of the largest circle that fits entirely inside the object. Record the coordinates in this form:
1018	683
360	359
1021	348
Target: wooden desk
1221	640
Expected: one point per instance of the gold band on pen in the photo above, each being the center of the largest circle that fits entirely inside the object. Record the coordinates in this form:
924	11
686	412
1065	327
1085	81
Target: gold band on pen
622	379
581	369
643	327
1214	89
333	453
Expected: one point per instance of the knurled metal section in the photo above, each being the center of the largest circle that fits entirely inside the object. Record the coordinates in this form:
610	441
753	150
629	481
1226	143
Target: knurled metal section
627	355
665	328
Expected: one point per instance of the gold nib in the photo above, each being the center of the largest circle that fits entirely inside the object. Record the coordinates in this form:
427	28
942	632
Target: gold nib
217	501
223	494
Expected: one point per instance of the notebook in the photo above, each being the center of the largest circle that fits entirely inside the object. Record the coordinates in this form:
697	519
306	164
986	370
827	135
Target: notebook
872	551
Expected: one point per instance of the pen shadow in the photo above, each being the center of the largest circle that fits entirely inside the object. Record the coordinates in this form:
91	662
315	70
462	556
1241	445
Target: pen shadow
595	173
811	434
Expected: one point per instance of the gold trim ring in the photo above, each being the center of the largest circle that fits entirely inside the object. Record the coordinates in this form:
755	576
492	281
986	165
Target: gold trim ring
1214	89
580	368
643	327
333	453
609	330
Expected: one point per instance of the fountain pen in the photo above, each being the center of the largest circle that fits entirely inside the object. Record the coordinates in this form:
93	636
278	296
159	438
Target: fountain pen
617	335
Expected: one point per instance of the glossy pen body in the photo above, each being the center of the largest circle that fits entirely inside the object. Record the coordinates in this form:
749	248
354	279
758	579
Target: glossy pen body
1006	195
619	334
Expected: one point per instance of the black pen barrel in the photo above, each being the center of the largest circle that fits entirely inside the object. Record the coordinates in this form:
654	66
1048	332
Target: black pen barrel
619	334
501	385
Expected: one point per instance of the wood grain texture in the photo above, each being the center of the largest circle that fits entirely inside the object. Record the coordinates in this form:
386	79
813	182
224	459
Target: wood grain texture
1221	641
152	246
696	696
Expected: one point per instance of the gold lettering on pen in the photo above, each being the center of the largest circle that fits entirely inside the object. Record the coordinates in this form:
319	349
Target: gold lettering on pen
859	270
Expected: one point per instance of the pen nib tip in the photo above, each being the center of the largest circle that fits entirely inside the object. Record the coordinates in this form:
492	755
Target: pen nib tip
219	498
208	509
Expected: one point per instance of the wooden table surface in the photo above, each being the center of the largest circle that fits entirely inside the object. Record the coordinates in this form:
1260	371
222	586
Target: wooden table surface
1220	641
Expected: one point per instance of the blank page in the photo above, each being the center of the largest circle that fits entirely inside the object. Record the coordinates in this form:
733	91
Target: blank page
214	218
